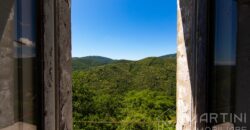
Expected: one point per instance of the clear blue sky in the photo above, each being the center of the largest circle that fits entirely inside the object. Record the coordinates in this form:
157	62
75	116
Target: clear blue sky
123	29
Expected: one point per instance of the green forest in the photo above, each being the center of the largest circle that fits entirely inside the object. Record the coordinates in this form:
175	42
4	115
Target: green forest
124	95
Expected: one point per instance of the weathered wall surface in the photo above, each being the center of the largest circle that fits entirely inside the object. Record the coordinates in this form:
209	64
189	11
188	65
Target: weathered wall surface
7	114
48	42
184	97
191	63
242	101
57	65
63	63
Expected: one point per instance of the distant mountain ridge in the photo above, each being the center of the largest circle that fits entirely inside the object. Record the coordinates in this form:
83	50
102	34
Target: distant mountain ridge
168	56
83	63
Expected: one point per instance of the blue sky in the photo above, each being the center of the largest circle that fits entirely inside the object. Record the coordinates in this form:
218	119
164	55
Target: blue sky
123	29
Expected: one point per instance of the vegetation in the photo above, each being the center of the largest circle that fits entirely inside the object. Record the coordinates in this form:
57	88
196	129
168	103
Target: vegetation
124	95
84	63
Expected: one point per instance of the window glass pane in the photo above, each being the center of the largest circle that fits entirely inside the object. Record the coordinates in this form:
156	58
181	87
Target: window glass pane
19	86
223	82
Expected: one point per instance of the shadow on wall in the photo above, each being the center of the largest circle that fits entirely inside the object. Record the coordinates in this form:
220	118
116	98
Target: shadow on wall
191	50
6	65
5	8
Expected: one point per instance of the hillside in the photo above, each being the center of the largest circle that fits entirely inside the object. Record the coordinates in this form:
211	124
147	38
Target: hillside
125	91
83	63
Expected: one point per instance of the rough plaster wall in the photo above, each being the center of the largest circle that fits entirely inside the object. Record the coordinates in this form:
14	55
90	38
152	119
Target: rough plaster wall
49	66
7	114
184	97
242	102
57	65
63	58
191	63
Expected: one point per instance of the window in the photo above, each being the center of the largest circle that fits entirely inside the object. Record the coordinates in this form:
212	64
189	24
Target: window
19	75
224	57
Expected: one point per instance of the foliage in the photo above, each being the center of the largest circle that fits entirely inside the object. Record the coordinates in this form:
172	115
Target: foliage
123	95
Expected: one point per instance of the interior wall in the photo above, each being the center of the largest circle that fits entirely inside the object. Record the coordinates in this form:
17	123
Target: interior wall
242	101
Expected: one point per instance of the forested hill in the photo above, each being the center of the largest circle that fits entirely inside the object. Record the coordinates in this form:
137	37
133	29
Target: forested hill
83	63
124	91
87	62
